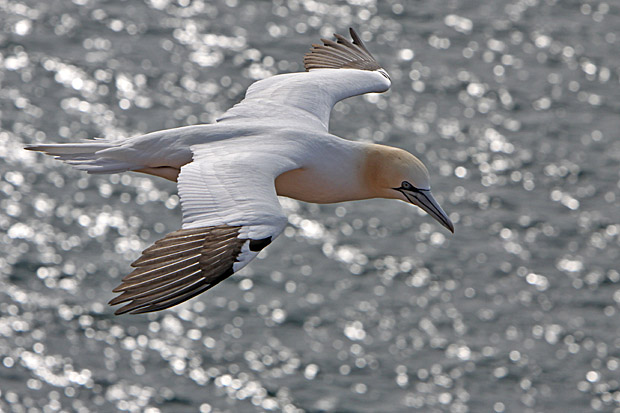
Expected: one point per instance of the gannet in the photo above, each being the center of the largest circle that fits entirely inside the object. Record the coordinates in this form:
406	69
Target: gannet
229	174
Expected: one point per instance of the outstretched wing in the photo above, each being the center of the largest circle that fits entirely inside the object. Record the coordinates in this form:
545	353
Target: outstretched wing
230	213
336	70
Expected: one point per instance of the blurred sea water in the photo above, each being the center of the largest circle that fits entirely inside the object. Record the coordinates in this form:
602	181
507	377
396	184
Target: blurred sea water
357	307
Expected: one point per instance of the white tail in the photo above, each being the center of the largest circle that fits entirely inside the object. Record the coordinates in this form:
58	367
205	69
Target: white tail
86	156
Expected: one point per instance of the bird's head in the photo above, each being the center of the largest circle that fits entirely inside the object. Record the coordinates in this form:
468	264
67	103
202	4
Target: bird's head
395	173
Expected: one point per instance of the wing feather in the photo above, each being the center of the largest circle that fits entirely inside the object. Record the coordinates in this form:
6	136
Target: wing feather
152	287
341	54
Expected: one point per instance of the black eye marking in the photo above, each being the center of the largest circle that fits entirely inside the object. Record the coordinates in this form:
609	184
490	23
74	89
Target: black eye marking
406	186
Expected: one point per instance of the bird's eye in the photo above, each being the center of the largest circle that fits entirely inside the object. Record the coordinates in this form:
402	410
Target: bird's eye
406	185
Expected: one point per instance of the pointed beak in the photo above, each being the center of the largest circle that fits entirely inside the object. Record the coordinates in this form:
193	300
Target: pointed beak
425	200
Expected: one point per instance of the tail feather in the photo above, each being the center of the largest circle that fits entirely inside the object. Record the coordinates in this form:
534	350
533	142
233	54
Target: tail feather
85	156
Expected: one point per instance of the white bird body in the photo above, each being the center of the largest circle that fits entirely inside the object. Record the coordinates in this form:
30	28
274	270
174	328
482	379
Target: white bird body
229	174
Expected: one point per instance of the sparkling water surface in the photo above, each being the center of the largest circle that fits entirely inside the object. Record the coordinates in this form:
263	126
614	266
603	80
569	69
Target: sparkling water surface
358	307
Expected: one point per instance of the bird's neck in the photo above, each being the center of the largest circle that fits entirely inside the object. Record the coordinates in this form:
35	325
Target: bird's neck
342	171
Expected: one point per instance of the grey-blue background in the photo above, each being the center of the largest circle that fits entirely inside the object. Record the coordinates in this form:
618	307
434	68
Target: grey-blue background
358	307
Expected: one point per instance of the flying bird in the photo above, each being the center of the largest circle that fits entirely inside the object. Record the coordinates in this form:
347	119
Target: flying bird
229	174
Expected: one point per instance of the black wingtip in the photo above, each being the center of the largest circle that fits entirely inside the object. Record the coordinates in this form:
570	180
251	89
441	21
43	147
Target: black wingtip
353	34
357	40
180	266
341	53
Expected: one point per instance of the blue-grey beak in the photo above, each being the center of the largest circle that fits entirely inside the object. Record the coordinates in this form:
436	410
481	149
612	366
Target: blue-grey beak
425	200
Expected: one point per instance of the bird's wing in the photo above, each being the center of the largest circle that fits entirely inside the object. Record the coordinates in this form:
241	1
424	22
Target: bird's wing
230	213
336	70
